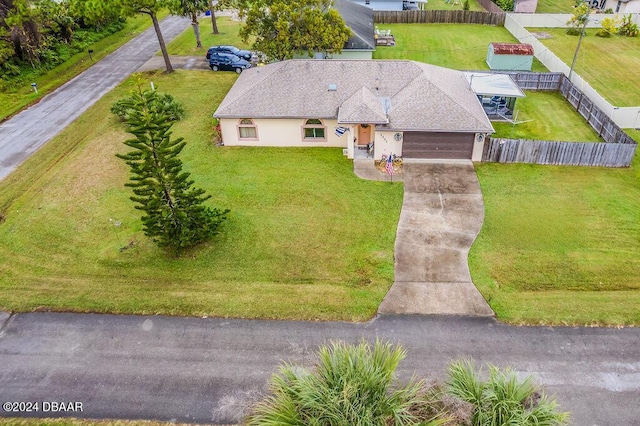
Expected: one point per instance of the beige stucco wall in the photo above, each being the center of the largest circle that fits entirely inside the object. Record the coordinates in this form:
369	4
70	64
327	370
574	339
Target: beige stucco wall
385	144
281	132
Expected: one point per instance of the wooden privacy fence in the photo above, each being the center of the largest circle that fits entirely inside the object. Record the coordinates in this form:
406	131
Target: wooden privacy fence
490	6
559	153
437	17
617	150
598	119
544	81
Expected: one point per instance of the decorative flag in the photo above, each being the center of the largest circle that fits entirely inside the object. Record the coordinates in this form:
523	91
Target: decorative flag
389	166
340	130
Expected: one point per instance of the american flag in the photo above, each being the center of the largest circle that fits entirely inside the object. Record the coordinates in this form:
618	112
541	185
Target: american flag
389	166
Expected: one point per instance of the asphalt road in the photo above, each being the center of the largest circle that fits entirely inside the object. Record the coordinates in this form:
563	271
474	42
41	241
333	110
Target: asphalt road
27	131
208	370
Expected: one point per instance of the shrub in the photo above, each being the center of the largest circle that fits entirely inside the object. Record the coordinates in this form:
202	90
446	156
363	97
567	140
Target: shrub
628	28
465	5
350	385
503	399
506	5
355	385
580	15
609	27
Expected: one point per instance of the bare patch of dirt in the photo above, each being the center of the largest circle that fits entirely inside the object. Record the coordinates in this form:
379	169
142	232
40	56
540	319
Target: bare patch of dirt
541	35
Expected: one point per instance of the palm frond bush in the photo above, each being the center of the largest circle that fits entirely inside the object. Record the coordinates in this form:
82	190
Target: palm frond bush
503	399
350	386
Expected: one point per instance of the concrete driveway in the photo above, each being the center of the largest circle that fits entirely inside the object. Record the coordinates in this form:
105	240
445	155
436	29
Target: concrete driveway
441	216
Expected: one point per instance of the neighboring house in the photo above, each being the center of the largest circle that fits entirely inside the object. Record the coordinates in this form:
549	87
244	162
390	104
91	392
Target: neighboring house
623	6
362	42
369	108
389	4
618	6
360	20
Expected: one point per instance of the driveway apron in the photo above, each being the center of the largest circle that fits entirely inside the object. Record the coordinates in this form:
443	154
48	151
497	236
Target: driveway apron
441	216
27	131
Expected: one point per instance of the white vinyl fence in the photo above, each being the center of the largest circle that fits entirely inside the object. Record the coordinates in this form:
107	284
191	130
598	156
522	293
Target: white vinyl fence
516	23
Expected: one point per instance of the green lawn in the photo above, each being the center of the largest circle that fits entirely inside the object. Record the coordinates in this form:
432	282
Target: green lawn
444	5
185	43
13	101
547	116
559	245
306	239
555	6
606	63
457	46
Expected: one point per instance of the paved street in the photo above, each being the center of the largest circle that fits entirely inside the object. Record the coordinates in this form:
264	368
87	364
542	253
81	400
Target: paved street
207	370
27	131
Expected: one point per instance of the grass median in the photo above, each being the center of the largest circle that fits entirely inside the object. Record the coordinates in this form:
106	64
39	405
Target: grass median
306	238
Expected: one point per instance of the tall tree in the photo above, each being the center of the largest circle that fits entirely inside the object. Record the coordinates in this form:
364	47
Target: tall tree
175	216
98	13
212	11
215	5
151	8
285	27
18	18
191	9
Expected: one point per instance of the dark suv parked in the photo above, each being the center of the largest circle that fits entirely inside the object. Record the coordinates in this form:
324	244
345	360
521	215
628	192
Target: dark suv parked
227	62
244	54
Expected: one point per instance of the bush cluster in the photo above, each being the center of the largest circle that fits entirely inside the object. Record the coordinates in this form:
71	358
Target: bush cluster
506	5
356	385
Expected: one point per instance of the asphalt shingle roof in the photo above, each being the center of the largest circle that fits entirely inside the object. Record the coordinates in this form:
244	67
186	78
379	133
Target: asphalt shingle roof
412	95
360	19
363	107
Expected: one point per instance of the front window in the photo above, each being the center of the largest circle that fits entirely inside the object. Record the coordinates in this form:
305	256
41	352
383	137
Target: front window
247	129
314	130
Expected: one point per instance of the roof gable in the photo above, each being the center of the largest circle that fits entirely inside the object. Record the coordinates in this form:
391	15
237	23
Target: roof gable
363	107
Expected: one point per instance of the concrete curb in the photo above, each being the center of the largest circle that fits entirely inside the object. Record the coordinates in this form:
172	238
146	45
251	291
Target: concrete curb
4	318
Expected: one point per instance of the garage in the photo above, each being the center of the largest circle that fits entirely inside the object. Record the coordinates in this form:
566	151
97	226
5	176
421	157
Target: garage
438	145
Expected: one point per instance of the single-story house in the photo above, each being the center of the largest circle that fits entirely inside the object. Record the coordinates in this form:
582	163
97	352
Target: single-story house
368	108
362	42
390	4
359	19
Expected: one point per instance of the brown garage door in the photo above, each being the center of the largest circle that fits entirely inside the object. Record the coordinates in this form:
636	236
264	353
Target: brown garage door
437	145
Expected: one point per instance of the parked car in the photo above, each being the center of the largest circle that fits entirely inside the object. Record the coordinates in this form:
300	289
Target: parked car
227	62
244	54
410	5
